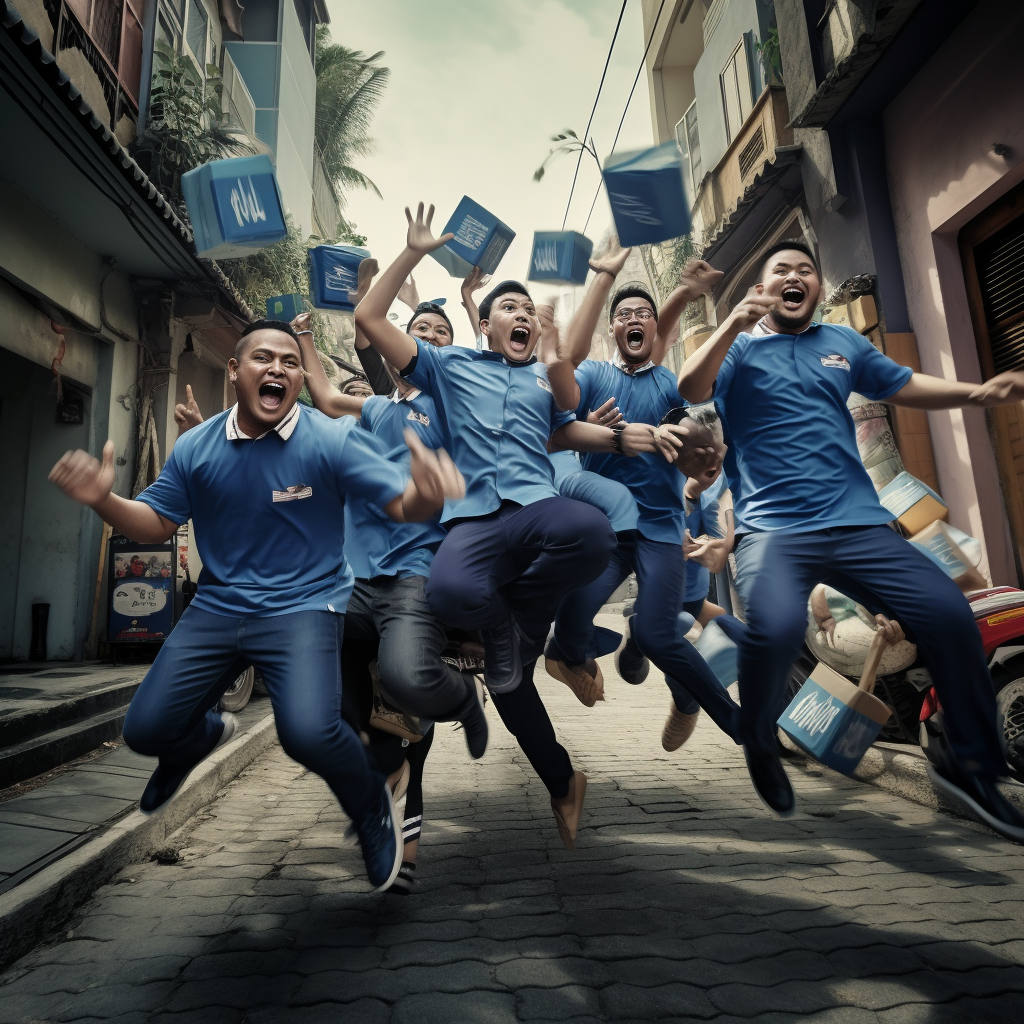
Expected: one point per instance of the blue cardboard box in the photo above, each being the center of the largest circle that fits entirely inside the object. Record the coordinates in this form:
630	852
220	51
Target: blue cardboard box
561	257
912	502
647	196
480	240
234	205
833	720
285	307
333	273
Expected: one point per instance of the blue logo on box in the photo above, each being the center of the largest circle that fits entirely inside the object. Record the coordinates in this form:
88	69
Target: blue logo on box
247	207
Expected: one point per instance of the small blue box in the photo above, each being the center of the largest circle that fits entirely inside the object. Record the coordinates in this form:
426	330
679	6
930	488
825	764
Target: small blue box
561	257
647	196
480	240
333	273
235	206
285	307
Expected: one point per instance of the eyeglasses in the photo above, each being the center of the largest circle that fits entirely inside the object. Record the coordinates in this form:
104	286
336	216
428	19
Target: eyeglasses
625	315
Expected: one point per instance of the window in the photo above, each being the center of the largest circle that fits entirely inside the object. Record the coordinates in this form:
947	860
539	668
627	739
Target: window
689	145
736	92
196	32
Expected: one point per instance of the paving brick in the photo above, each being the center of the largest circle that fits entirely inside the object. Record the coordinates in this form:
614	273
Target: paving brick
674	1000
440	1008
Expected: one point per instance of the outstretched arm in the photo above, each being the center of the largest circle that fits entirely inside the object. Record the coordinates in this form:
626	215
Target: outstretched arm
579	334
326	397
696	278
397	347
925	392
474	282
90	482
699	372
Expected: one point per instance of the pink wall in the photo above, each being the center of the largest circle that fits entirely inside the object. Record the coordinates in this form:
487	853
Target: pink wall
943	172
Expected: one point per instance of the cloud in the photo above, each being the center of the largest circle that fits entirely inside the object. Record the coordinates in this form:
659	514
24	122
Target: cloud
477	89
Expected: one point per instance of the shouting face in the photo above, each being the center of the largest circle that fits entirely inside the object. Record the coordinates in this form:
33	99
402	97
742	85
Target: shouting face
267	373
634	327
791	277
513	328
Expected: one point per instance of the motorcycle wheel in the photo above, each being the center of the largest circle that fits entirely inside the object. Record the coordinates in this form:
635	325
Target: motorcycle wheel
237	695
1010	704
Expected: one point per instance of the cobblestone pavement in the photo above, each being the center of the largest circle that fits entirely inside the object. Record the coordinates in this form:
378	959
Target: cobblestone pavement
684	901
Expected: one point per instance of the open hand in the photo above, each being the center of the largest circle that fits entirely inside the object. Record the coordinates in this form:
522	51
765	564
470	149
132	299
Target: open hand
549	331
367	272
606	415
419	237
408	293
753	307
890	629
474	281
689	445
1002	389
699	277
612	260
435	475
84	478
187	414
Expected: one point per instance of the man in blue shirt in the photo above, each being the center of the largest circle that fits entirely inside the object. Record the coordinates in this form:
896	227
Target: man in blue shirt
807	513
514	546
644	392
266	484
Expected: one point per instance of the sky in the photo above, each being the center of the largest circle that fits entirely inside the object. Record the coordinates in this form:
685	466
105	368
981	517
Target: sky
477	88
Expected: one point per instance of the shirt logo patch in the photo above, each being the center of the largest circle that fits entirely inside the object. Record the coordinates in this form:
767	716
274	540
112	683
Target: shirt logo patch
294	493
545	385
419	417
836	362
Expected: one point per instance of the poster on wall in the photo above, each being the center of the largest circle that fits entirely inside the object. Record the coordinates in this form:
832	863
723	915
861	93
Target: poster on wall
142	579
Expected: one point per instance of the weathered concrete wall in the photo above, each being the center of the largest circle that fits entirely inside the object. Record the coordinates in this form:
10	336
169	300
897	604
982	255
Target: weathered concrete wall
943	172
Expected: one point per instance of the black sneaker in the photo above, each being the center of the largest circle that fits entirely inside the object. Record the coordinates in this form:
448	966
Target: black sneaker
380	836
474	723
771	782
503	663
405	881
630	662
165	782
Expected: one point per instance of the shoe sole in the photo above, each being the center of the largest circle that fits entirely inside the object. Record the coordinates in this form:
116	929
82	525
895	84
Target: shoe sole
399	843
479	689
767	806
230	728
957	796
666	738
553	669
640	677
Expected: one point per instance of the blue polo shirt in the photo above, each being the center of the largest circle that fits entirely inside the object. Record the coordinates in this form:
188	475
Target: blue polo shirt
269	512
498	417
793	463
643	397
375	544
701	519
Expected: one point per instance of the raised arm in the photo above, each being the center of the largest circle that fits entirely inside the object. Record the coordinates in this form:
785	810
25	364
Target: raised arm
695	279
699	372
90	482
473	283
579	334
397	347
925	392
326	397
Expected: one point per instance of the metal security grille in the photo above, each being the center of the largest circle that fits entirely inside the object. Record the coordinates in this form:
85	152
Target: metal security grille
1000	267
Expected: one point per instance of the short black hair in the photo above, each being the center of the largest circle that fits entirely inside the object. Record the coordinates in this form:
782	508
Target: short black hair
785	245
632	291
430	307
504	288
265	325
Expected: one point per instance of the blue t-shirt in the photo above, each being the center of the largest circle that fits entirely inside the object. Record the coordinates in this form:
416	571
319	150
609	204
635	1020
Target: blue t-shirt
793	463
642	397
702	520
375	544
269	512
498	417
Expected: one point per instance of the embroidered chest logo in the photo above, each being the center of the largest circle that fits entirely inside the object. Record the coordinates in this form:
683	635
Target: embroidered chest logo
419	417
294	493
836	362
544	384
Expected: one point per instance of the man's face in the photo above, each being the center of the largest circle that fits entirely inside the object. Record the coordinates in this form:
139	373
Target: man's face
634	328
792	278
702	465
513	328
357	388
431	328
138	568
268	377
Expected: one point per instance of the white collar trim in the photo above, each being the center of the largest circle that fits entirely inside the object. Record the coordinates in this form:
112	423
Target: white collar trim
409	397
285	428
630	368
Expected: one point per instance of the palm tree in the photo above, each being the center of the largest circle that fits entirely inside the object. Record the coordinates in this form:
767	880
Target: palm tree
348	87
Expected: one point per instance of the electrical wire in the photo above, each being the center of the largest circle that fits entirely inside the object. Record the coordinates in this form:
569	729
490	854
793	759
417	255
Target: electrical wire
639	70
593	110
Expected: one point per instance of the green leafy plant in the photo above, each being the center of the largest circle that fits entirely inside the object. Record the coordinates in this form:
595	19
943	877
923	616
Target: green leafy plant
770	55
566	141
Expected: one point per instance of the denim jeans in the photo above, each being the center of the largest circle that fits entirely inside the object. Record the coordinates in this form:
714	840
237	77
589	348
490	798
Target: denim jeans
877	567
299	657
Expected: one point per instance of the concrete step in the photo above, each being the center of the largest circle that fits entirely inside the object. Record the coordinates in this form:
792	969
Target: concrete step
38	754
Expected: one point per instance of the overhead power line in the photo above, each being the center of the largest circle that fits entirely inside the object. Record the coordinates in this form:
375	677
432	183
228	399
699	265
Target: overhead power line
590	120
639	70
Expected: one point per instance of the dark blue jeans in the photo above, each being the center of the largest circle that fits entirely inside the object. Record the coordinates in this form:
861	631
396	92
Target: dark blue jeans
877	567
659	569
299	657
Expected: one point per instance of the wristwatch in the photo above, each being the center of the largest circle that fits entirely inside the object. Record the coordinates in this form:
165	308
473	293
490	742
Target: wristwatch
617	438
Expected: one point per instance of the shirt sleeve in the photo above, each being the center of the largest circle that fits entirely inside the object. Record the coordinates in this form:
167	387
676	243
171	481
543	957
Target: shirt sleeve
585	379
425	368
709	517
371	412
558	417
168	495
364	472
373	366
876	376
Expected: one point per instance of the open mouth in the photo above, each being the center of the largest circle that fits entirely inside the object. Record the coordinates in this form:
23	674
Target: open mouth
519	339
792	297
272	395
635	339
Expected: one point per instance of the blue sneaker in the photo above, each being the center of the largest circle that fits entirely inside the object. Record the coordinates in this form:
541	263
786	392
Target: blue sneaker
503	661
380	836
630	662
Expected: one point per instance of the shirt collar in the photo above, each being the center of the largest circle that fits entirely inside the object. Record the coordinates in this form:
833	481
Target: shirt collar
630	368
397	396
761	328
285	428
